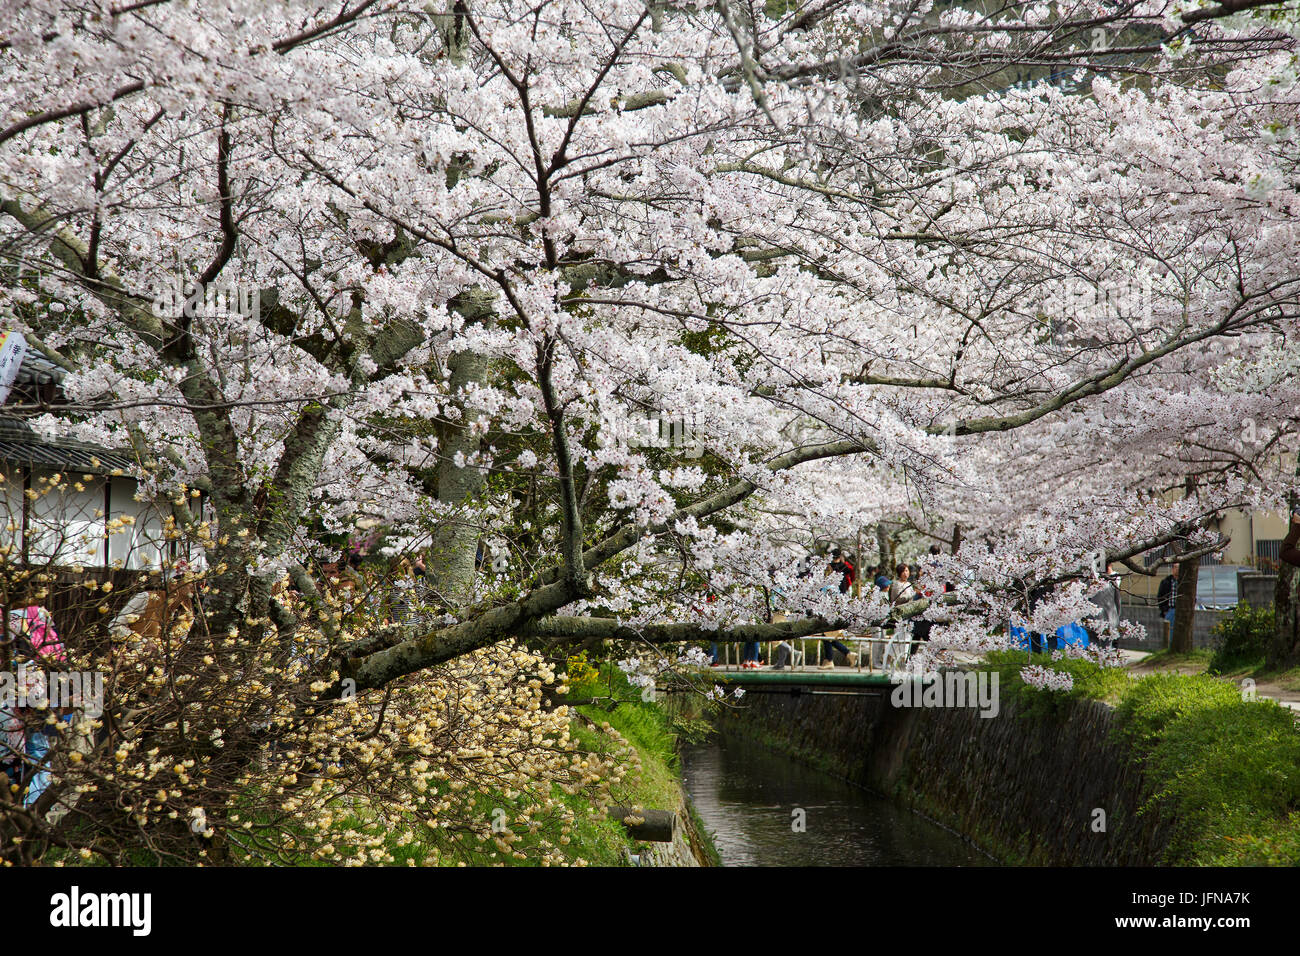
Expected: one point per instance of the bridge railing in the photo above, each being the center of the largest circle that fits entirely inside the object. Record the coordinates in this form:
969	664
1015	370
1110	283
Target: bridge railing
893	649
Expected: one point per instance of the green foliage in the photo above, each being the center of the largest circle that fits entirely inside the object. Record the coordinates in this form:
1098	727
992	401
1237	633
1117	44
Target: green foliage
643	723
1159	700
1090	682
709	341
1241	639
1230	775
1241	845
584	680
1100	683
1225	771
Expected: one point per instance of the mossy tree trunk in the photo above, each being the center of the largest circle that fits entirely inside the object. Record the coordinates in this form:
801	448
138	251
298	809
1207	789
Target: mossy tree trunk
1284	648
454	543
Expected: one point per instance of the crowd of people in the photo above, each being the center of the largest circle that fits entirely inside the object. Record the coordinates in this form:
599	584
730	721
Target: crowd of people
840	570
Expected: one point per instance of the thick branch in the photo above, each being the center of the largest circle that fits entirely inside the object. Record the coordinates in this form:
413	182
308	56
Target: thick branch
562	629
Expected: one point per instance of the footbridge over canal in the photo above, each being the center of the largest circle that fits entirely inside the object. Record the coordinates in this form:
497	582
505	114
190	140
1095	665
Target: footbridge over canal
800	679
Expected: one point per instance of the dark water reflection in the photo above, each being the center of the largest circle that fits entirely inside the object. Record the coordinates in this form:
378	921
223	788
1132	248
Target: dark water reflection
747	795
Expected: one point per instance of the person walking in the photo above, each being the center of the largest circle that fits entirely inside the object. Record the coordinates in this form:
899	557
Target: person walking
1107	601
1166	596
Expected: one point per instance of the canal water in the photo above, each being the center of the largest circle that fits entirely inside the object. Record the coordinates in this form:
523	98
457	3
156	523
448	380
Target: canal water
766	809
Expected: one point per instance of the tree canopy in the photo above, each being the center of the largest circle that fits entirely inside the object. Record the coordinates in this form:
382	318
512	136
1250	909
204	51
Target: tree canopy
641	296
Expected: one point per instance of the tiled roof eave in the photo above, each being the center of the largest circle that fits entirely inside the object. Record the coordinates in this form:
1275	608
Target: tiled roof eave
21	447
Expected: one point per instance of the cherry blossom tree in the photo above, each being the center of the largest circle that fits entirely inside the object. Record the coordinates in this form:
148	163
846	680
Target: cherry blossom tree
1020	271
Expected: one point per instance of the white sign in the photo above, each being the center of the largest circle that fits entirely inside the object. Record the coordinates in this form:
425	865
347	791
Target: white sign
13	349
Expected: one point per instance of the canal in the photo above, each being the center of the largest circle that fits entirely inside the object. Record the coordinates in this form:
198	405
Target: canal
766	809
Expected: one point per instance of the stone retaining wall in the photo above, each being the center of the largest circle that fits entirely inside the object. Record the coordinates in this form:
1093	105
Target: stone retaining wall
1023	788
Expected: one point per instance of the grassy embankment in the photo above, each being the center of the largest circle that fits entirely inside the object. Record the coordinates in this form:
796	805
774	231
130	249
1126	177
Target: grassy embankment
1224	768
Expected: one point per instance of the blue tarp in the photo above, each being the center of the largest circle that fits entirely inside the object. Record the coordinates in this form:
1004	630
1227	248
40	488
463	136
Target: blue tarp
1073	633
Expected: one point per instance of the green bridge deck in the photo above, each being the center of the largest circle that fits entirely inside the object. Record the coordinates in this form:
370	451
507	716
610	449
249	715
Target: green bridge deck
800	676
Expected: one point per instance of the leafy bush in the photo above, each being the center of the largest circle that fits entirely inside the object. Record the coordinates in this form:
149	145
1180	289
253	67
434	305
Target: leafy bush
1241	638
1095	682
583	678
1223	771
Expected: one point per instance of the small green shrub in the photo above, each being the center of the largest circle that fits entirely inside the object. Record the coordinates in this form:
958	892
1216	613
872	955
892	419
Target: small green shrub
1097	683
1241	638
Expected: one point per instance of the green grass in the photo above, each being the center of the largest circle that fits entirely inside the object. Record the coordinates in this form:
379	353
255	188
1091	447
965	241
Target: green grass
654	731
645	725
1090	682
1158	701
656	785
1166	658
703	837
1229	771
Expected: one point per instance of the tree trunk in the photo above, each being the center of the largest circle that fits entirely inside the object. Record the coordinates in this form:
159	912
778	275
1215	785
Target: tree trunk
1284	648
1180	639
455	540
